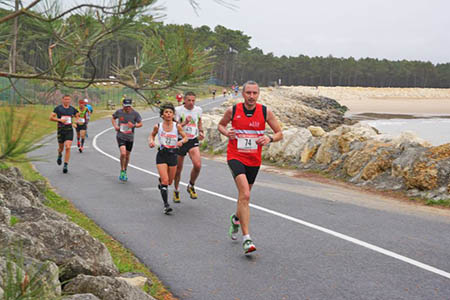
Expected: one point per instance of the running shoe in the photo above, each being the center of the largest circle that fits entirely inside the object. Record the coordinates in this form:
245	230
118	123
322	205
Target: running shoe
80	149
167	209
234	228
176	197
65	169
121	176
248	246
191	191
59	160
125	176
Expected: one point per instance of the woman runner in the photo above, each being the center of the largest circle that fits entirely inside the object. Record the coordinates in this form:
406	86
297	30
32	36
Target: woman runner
166	159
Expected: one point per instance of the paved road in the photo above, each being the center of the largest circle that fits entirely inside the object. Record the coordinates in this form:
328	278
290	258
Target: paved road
315	241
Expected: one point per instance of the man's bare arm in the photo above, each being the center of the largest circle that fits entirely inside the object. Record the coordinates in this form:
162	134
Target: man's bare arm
273	123
222	127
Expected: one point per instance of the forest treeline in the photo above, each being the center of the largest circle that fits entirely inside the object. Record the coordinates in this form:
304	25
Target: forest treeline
234	60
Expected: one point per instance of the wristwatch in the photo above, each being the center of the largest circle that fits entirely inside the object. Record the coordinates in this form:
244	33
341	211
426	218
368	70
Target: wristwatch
271	139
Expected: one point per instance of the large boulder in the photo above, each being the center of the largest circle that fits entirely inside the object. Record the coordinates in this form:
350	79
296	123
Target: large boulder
216	141
289	148
105	288
68	245
17	191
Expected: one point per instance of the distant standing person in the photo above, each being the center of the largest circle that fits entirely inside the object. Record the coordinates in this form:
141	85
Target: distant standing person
214	93
128	120
236	90
91	111
82	124
179	98
189	116
166	159
246	138
224	92
64	114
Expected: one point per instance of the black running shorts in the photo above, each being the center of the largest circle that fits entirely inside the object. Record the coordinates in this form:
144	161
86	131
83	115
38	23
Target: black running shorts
166	157
128	145
183	150
81	127
65	135
238	168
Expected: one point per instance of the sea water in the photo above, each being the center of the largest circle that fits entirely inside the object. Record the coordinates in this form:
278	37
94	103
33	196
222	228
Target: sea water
435	130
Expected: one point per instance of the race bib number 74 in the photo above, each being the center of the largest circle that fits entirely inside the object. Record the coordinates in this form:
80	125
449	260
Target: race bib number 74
247	142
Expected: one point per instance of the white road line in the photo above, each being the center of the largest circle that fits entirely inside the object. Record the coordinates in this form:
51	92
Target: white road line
295	220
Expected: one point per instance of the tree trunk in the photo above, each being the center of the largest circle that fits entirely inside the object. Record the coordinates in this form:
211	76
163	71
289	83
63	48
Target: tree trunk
13	50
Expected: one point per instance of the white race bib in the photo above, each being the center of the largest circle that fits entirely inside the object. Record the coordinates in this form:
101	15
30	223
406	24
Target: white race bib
191	131
67	120
125	129
247	143
169	140
81	120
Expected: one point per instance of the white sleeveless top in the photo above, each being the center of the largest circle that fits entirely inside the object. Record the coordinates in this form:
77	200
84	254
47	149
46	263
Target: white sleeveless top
168	139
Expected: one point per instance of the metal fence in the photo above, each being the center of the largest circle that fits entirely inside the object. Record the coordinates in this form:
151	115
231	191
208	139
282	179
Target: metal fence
41	92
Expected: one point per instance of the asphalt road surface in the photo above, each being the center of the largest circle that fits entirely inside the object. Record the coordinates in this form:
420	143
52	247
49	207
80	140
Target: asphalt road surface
314	240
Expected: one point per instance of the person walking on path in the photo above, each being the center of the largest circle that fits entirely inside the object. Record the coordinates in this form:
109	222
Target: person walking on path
128	120
64	114
82	124
246	139
166	158
189	116
91	111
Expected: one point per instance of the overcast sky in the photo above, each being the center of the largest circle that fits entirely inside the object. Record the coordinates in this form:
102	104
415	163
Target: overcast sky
391	29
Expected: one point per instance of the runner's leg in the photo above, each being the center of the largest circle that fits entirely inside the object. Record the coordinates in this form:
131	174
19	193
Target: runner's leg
179	169
83	136
123	157
194	154
163	170
67	145
127	159
171	174
243	208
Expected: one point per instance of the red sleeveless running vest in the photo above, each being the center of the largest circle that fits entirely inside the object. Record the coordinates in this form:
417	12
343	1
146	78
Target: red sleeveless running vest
248	129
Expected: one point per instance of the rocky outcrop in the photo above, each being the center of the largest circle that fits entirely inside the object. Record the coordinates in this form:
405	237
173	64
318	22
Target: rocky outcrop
354	152
38	242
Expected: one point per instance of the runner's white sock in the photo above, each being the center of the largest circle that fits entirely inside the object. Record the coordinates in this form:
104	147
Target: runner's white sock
246	237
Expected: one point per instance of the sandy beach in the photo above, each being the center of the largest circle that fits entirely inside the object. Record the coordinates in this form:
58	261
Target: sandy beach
413	101
416	107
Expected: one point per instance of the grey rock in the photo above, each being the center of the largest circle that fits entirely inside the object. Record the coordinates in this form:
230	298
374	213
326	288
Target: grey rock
81	297
70	246
43	275
5	215
105	288
34	214
10	237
